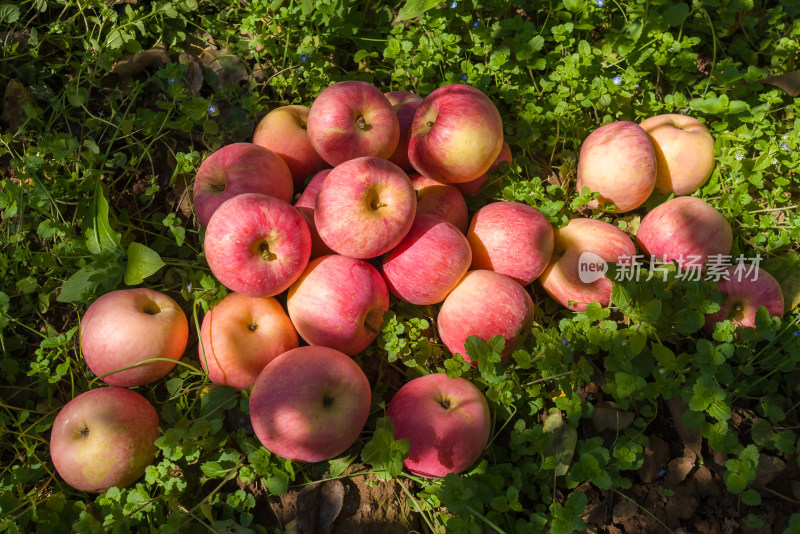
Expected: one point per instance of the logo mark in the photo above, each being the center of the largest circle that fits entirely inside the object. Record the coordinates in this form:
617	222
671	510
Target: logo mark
591	267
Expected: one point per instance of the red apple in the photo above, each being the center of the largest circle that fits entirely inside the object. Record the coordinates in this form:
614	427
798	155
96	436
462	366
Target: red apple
236	169
617	161
428	263
257	245
405	104
310	404
240	336
747	289
104	438
577	270
685	229
128	326
446	421
305	205
338	302
442	200
456	135
352	119
283	131
365	207
474	187
511	238
485	304
684	152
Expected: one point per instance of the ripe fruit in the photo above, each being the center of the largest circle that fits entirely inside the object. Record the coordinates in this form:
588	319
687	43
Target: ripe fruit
442	200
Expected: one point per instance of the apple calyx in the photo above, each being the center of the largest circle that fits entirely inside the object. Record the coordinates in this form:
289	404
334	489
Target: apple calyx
327	401
217	187
444	402
252	327
84	432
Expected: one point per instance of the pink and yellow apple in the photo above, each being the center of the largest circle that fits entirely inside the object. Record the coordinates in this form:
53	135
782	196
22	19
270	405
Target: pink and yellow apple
240	336
104	438
442	200
474	187
511	238
684	152
485	304
686	230
428	262
456	135
365	207
350	120
405	104
128	326
746	290
617	161
283	131
310	404
446	422
257	245
305	205
338	302
574	278
236	169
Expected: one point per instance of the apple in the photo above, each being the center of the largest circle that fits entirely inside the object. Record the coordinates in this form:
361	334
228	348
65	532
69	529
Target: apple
442	200
456	135
617	161
747	290
240	336
338	302
684	152
405	104
104	438
577	270
128	326
474	187
428	262
511	238
310	404
446	422
305	205
485	304
257	245
685	229
352	119
283	131
365	207
236	169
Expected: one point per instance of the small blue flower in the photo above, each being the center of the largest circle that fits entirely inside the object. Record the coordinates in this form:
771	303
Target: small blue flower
662	473
739	157
617	80
464	78
600	3
212	109
300	70
785	147
304	58
796	333
453	5
476	24
171	79
564	342
590	396
189	288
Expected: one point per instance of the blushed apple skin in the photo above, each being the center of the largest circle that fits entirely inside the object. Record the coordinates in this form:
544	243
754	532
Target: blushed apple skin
456	135
441	439
485	304
128	326
442	200
283	131
474	187
745	296
365	207
338	302
257	245
684	226
618	161
511	238
236	169
428	262
104	437
561	280
684	150
350	120
288	406
240	336
405	105
306	205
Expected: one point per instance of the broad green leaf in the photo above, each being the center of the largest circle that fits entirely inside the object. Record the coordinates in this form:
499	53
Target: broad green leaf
414	9
4	305
99	235
675	14
142	262
88	280
9	13
563	444
575	6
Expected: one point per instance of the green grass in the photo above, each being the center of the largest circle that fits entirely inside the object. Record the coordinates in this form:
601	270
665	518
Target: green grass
95	160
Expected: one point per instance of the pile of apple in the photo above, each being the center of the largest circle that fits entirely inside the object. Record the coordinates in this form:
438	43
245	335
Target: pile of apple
363	229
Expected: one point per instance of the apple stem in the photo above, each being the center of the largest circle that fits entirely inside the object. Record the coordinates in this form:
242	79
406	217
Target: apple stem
430	124
266	254
361	123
